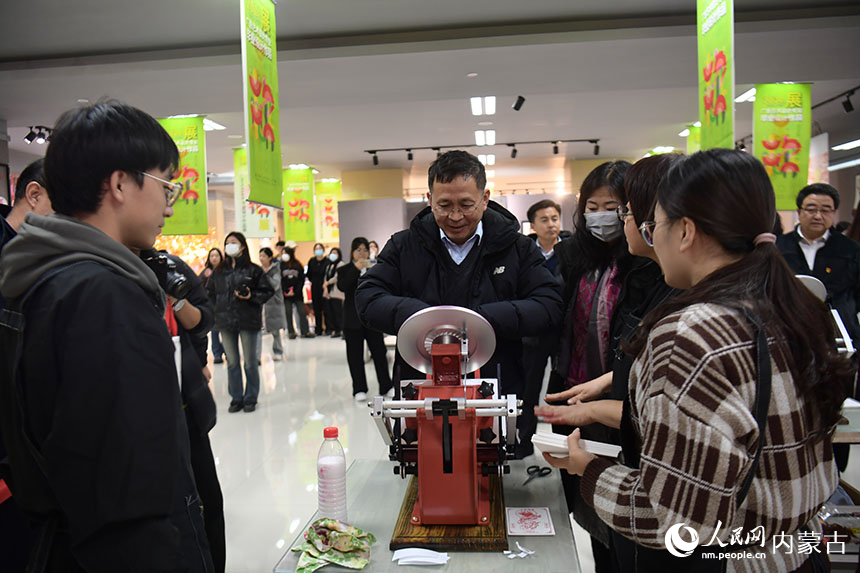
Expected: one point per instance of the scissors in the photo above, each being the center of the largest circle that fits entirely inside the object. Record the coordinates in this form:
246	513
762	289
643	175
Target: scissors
536	471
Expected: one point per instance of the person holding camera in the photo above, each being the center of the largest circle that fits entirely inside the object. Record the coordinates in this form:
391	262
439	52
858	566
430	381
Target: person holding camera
239	289
189	316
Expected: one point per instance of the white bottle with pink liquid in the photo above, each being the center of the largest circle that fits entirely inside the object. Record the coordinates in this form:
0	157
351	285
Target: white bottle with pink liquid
331	477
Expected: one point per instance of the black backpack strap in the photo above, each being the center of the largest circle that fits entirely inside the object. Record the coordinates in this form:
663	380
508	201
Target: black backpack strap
762	398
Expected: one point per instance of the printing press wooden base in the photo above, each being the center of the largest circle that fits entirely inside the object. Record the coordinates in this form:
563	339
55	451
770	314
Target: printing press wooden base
492	537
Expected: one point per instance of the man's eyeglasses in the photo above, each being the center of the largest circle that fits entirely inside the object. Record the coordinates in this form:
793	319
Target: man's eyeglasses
812	211
171	189
448	211
623	212
647	230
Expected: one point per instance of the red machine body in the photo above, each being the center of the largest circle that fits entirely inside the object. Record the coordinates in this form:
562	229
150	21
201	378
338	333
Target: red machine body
451	487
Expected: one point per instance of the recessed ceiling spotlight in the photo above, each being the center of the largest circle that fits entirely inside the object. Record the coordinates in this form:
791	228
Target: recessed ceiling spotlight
235	136
485	123
472	75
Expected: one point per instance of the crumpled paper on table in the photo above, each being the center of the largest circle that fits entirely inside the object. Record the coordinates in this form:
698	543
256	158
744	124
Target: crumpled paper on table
330	541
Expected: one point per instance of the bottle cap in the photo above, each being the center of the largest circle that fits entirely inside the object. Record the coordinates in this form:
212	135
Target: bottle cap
330	432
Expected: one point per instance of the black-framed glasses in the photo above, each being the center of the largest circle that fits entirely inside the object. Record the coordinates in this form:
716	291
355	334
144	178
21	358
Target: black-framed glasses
466	210
171	189
647	230
623	212
813	211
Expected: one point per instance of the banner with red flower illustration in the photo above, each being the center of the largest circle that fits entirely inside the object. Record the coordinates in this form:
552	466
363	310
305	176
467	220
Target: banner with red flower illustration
299	205
327	197
715	24
782	127
190	212
254	220
260	86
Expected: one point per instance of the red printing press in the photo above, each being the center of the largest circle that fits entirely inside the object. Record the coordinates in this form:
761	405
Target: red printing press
453	432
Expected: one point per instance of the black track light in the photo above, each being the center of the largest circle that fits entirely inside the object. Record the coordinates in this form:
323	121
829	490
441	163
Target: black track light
847	105
514	153
555	148
596	149
41	137
438	152
375	159
30	137
519	103
409	155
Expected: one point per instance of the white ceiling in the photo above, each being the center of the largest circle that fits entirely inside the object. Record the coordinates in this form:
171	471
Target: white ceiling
392	73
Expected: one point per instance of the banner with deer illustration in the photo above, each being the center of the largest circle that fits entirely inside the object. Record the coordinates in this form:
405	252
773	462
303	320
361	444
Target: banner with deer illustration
327	197
190	212
254	220
260	86
299	205
782	128
715	23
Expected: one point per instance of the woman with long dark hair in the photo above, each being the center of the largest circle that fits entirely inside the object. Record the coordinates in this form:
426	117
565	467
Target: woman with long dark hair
736	388
333	295
593	263
316	271
213	259
275	319
239	288
356	334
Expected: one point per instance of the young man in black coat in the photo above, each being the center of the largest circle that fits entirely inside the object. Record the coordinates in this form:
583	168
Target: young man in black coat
464	250
89	394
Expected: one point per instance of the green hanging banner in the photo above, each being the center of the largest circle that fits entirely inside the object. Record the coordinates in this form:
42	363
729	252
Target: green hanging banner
260	86
782	128
715	25
191	211
299	205
327	197
694	140
254	220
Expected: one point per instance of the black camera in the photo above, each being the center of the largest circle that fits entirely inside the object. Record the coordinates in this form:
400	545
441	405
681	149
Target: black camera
244	286
174	283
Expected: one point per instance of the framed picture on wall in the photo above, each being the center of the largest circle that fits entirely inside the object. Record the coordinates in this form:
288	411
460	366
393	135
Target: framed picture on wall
5	185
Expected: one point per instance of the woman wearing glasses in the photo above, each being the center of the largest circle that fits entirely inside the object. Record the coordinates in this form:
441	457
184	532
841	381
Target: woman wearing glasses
239	288
643	290
735	391
593	264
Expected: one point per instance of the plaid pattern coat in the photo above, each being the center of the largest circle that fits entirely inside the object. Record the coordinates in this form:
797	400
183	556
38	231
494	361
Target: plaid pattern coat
691	402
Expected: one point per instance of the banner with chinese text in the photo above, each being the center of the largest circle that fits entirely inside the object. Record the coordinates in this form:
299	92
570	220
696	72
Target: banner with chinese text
819	159
299	205
260	87
715	25
327	197
782	127
694	140
254	220
191	210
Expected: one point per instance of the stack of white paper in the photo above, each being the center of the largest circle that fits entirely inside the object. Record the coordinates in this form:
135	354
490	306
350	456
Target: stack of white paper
556	445
416	556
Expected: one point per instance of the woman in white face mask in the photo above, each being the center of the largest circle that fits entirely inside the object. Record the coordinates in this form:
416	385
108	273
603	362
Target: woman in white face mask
593	264
238	289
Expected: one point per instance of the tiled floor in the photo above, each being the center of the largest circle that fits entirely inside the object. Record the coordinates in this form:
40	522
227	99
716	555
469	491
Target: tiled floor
267	459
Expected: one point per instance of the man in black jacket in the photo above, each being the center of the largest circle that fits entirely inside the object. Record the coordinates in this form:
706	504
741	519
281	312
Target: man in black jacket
464	250
90	410
815	248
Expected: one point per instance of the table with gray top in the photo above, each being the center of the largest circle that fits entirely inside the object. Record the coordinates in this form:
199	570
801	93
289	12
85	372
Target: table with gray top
375	494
